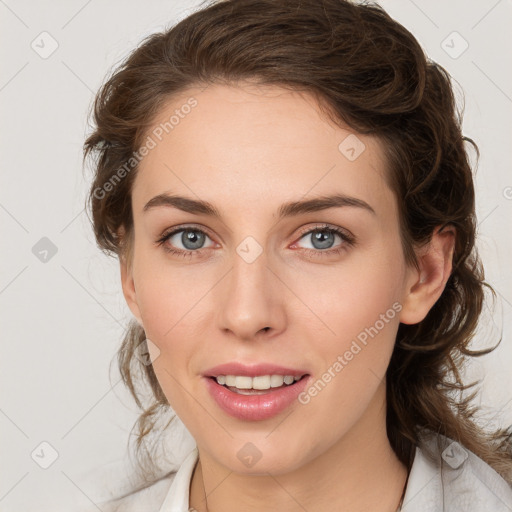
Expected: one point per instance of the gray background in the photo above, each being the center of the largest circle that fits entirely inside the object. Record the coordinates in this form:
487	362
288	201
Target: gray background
63	314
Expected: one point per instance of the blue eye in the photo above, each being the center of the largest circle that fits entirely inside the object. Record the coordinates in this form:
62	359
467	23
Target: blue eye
192	239
322	239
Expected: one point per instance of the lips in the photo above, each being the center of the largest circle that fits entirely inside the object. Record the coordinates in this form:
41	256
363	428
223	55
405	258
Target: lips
256	407
253	370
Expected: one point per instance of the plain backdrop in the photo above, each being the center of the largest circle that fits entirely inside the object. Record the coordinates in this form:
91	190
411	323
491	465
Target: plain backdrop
61	307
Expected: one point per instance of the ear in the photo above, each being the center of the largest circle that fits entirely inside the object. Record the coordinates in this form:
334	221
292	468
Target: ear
127	281
424	287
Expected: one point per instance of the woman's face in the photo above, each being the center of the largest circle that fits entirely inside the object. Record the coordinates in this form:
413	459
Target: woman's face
260	286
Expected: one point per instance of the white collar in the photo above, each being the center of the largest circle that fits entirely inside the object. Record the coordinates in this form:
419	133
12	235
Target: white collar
455	479
177	497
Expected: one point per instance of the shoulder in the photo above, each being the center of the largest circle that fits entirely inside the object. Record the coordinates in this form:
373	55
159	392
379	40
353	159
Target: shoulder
114	487
447	476
123	493
149	498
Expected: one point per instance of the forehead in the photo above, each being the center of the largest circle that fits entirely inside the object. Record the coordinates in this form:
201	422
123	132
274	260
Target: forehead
234	145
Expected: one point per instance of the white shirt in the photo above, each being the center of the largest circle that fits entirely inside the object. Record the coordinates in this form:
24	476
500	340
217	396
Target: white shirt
456	480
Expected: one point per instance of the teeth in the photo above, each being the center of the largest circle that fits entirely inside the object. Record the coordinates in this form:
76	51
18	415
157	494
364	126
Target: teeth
288	379
259	382
262	382
230	380
243	382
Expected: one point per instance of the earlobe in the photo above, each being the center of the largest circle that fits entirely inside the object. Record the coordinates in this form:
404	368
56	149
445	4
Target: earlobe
128	286
425	286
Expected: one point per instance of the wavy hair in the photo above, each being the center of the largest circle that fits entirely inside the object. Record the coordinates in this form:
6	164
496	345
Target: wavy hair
366	71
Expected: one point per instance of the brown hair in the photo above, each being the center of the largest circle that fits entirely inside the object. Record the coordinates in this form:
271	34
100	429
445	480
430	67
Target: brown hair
367	71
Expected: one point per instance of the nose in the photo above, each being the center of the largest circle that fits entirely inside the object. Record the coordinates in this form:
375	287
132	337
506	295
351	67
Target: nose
250	300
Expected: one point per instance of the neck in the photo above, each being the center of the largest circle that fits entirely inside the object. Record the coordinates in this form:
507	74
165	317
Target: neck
360	472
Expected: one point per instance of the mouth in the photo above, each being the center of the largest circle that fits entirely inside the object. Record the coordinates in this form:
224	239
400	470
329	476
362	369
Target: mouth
257	397
257	385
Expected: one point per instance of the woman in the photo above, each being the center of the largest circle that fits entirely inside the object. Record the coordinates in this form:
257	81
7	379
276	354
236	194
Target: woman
287	188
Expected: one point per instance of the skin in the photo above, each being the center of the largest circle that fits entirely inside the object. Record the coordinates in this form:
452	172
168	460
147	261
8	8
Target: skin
247	149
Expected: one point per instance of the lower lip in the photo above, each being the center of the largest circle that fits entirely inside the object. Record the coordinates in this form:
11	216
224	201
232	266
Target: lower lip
255	407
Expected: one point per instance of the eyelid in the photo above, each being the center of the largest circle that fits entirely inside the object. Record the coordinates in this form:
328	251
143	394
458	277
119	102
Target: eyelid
347	238
183	227
345	235
303	231
324	225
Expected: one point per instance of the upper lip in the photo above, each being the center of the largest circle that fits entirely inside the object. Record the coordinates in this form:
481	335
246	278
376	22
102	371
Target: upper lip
253	370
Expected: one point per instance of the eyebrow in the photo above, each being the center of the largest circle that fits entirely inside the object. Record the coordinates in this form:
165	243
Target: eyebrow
290	209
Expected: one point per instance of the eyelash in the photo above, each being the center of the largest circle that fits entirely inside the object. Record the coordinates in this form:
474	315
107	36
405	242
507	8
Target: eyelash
348	240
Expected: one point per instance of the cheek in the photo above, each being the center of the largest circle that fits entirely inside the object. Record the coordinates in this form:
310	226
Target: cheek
362	312
353	295
168	304
356	315
168	296
367	306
